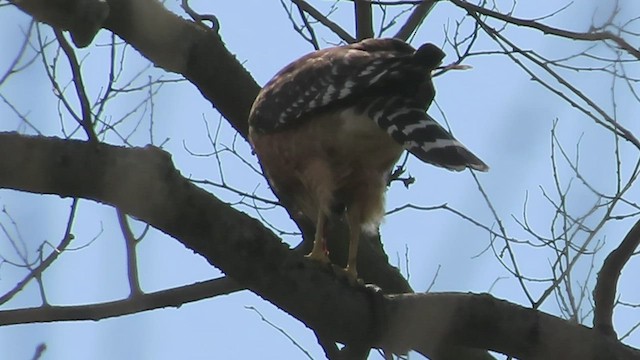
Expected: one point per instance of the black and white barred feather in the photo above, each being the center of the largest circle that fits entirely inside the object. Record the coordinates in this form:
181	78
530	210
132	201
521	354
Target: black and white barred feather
386	79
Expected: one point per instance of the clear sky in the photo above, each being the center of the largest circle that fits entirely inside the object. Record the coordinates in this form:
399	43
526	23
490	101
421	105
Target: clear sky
495	109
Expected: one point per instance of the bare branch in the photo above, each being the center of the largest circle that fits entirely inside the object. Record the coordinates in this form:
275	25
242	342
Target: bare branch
132	260
508	328
415	19
590	36
608	122
606	286
281	331
144	183
337	29
37	272
40	349
307	25
174	297
86	121
82	19
364	19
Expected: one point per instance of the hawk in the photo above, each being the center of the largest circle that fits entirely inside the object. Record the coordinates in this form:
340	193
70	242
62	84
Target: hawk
329	127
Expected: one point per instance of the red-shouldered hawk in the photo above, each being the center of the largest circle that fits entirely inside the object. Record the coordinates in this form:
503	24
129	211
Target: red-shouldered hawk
329	127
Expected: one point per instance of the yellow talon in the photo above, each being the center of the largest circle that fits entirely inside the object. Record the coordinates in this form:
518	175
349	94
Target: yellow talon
319	256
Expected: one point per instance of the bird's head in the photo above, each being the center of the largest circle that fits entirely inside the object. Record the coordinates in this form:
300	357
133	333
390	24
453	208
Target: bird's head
429	56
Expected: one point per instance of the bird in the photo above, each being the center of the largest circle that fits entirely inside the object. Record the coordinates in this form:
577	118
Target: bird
329	127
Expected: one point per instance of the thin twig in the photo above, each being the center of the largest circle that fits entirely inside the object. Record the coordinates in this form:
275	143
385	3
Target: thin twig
36	272
132	259
295	343
337	29
590	36
86	121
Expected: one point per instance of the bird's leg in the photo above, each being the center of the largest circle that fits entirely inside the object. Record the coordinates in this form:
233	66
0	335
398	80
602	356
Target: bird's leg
353	218
319	251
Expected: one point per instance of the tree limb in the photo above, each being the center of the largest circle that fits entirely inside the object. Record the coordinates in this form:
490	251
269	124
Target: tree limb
605	291
144	183
174	297
483	321
589	36
415	19
82	18
364	19
318	16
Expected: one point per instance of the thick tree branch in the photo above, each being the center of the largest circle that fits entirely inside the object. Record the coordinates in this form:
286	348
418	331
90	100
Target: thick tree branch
605	291
144	183
483	321
82	18
189	49
364	19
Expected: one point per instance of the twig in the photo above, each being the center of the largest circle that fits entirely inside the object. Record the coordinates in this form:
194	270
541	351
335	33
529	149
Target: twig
40	349
86	121
295	343
337	29
312	33
132	259
36	272
608	122
591	36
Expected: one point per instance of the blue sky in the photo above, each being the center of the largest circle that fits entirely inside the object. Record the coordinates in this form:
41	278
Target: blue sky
495	109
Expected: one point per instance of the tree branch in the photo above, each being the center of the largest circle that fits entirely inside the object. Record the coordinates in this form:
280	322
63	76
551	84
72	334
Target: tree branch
82	18
174	297
605	291
364	19
415	19
144	183
86	121
36	272
482	321
590	36
317	15
179	46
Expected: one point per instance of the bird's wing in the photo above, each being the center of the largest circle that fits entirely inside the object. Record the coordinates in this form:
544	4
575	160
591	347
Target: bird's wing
340	76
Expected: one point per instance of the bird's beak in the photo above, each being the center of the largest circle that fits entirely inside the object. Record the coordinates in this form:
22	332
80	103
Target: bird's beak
454	67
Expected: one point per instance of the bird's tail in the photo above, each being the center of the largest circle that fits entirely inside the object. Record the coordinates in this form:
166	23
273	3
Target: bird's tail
421	135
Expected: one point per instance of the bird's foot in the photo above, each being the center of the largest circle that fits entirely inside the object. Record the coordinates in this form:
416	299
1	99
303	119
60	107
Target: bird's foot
318	256
349	274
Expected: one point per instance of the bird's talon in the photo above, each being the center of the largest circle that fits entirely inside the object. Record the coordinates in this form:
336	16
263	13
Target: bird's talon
375	289
350	275
318	256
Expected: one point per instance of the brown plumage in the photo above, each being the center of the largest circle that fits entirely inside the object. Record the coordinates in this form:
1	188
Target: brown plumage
330	126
